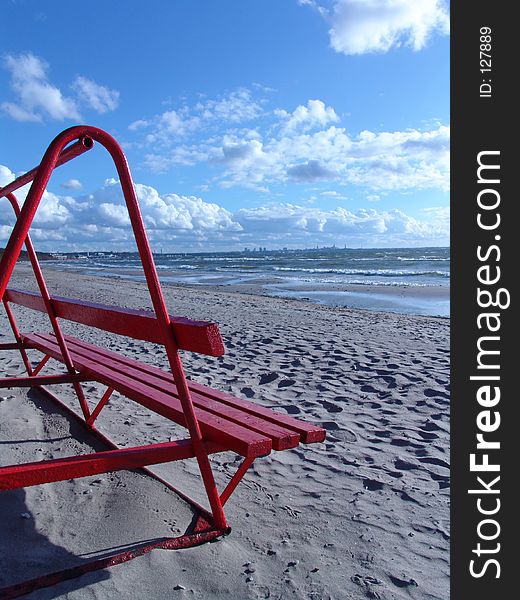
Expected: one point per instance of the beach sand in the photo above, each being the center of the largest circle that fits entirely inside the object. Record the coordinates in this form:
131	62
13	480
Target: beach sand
363	515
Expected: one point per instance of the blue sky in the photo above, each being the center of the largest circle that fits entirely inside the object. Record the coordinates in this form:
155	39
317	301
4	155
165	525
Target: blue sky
246	123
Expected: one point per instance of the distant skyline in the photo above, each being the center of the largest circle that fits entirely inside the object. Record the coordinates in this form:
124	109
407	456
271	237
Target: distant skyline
270	123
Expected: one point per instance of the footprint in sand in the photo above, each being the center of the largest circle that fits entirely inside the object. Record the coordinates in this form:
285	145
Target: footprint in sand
228	366
330	407
372	485
439	478
407	498
382	433
429	426
435	461
400	442
366	582
291	409
389	380
369	389
428	436
329	425
430	393
402	464
402	582
268	378
286	383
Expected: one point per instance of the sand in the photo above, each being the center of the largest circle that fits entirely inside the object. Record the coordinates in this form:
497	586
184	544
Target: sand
363	515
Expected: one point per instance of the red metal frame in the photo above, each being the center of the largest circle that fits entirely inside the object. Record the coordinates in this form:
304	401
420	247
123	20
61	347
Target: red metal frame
174	333
59	152
20	234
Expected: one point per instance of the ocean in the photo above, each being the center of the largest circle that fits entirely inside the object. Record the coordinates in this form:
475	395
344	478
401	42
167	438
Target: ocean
404	280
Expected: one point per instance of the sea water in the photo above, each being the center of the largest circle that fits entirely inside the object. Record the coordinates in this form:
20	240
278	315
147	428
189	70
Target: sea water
406	280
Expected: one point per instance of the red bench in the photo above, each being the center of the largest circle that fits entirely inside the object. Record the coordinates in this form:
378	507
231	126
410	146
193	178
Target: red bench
215	421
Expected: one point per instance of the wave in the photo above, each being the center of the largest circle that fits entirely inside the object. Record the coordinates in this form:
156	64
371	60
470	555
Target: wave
422	259
366	272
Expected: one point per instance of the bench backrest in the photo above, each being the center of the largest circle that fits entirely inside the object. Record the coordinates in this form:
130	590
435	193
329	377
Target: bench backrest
202	337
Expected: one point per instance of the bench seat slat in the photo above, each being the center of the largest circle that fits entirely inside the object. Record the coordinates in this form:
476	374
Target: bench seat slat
282	438
230	435
202	337
308	432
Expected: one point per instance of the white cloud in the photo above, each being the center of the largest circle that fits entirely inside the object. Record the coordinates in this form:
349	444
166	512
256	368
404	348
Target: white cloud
18	113
139	124
98	97
315	114
180	155
333	194
37	97
307	225
310	171
72	184
100	220
301	146
364	26
383	160
236	107
52	212
314	4
6	175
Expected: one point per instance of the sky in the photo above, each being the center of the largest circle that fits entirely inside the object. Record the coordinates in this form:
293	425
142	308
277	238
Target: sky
246	123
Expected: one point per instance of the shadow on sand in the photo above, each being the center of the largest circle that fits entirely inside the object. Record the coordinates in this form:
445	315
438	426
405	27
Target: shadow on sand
95	516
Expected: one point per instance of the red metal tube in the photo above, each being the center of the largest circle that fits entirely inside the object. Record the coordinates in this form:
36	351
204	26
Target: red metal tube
76	149
236	479
101	404
14	247
188	540
34	380
41	364
46	299
16	333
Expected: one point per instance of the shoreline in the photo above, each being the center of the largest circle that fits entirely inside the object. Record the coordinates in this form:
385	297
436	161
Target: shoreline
425	300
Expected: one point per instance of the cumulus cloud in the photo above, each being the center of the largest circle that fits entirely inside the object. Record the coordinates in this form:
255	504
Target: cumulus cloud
306	225
100	221
383	160
98	97
333	194
303	146
72	184
103	216
315	114
6	175
37	99
236	107
233	108
310	171
364	26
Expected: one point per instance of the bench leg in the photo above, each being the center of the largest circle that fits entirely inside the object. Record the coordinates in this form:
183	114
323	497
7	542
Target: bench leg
235	480
101	404
41	364
18	338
